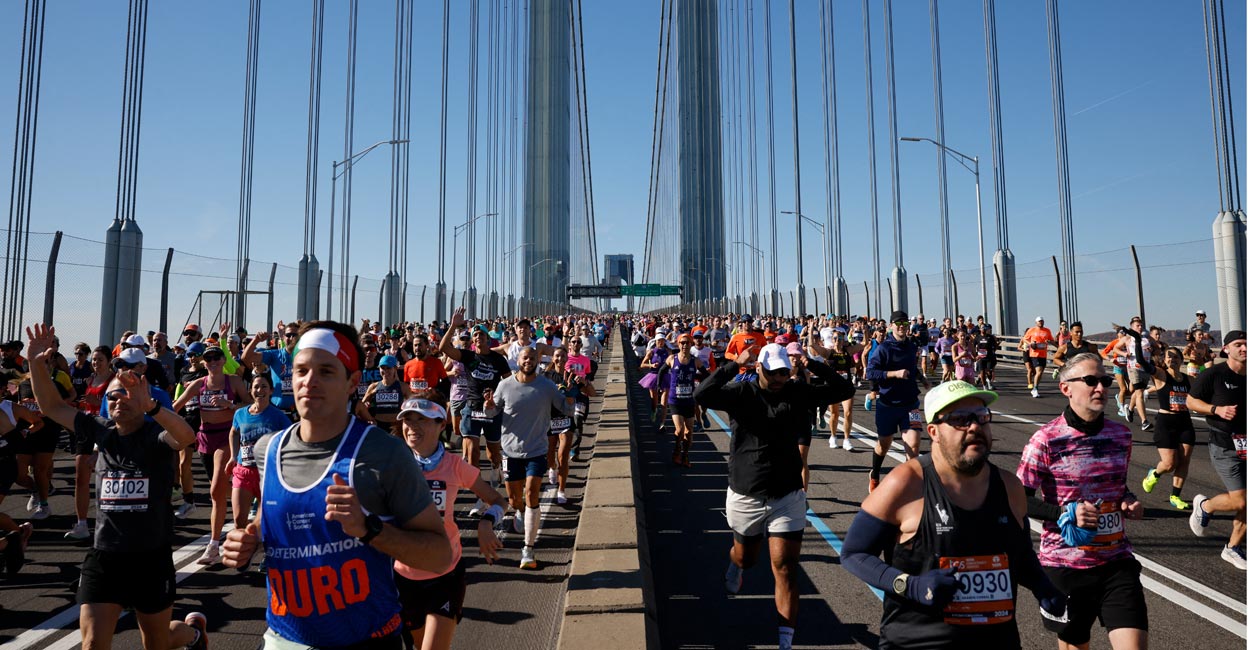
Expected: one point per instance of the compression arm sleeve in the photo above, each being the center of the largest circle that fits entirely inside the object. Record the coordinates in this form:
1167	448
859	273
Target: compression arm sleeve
860	554
1038	508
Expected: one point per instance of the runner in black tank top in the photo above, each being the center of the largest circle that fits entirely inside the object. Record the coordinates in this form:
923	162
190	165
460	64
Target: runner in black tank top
1174	435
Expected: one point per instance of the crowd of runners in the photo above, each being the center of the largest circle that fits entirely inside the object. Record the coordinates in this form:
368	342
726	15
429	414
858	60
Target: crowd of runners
368	434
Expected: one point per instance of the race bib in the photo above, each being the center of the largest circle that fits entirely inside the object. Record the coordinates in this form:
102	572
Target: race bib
420	385
981	354
684	391
31	405
560	424
1039	347
581	409
1178	402
480	416
288	387
123	492
964	362
985	594
916	419
437	490
247	456
1241	446
1109	530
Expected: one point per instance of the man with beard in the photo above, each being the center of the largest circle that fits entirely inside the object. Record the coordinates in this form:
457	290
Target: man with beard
957	527
1079	462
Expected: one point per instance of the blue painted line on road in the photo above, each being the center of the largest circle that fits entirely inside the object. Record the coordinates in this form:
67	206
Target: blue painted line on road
827	534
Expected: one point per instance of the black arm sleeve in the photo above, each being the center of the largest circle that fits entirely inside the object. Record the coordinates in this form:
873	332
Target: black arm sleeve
860	554
1038	508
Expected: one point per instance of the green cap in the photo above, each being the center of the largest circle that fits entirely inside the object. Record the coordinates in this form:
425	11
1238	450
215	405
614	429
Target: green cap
943	395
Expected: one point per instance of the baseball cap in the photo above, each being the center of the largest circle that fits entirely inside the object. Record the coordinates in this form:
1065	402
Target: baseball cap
795	348
132	357
191	328
782	339
196	348
431	410
942	395
137	341
463	334
1201	312
1231	337
13	345
745	317
388	361
212	349
773	357
1039	319
898	316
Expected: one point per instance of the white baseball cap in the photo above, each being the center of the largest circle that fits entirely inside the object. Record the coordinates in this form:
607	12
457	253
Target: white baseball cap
132	356
773	357
136	340
1039	319
431	410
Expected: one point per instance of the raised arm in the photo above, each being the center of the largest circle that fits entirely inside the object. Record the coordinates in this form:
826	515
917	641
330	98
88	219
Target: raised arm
447	346
49	399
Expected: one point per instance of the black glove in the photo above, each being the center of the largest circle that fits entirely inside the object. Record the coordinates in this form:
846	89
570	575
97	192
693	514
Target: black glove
934	588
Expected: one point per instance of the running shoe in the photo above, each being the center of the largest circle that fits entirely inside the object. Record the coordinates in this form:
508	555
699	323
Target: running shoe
576	454
733	578
1130	415
528	561
42	511
1178	503
706	422
1150	480
211	556
552	476
1199	521
1030	386
846	446
477	509
517	524
1035	392
561	498
79	531
1235	555
868	403
989	383
200	622
32	503
1146	425
185	510
1122	411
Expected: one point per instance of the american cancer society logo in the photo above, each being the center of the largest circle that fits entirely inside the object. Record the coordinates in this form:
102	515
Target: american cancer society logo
299	521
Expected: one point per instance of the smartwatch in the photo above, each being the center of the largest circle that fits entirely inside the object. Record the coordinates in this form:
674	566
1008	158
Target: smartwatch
372	525
899	584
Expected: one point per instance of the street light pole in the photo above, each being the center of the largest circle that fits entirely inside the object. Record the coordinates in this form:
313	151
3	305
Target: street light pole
455	245
822	236
333	191
971	164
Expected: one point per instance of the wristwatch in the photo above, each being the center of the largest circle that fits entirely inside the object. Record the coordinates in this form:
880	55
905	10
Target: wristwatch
372	526
155	409
899	584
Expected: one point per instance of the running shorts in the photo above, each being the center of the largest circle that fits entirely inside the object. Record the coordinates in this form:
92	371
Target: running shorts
751	517
1137	379
43	441
442	596
889	420
684	410
142	580
480	425
212	437
246	478
1172	431
517	469
1229	466
1111	592
1037	362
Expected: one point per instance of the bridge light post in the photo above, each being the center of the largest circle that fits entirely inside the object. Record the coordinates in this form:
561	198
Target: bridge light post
827	279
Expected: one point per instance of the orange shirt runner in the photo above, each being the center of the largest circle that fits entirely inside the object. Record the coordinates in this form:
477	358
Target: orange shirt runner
1039	338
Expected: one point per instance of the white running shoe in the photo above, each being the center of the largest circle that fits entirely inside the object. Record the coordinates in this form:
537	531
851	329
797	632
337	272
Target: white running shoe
527	559
1198	521
846	446
185	510
200	622
1235	555
561	497
31	503
211	556
552	477
517	524
477	509
1035	392
79	531
42	511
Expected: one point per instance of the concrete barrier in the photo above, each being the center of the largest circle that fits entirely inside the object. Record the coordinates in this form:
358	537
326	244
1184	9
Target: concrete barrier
610	599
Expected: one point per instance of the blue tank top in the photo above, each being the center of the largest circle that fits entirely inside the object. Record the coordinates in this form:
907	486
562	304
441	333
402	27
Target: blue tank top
326	588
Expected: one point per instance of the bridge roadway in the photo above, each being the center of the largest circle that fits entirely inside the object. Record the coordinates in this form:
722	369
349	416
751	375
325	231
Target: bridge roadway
1193	595
504	606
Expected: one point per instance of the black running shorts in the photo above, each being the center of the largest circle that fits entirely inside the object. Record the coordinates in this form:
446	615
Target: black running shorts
1111	592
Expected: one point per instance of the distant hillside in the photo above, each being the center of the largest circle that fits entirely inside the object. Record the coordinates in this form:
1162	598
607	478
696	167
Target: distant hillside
1169	337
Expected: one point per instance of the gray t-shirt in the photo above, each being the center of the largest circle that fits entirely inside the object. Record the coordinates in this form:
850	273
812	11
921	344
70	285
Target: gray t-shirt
387	478
526	414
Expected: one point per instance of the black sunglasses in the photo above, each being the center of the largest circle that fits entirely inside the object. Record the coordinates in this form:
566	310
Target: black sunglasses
1092	380
291	335
778	372
963	418
213	357
114	395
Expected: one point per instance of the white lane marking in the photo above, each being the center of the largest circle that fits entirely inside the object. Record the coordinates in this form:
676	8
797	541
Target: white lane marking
1156	587
57	623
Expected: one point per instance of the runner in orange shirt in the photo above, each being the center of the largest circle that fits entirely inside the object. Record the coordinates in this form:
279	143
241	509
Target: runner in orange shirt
749	338
425	371
1035	344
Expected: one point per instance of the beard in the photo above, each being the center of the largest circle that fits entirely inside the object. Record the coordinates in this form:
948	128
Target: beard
963	464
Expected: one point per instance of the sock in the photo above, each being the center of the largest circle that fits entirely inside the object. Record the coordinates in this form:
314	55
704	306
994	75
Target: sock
786	637
188	497
1175	491
82	522
1158	473
877	461
532	519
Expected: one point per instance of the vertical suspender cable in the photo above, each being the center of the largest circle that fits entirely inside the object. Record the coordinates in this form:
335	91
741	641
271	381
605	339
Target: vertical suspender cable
446	39
771	161
1211	46
875	211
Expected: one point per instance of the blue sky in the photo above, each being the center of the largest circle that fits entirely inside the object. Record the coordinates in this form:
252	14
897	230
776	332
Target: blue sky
1138	119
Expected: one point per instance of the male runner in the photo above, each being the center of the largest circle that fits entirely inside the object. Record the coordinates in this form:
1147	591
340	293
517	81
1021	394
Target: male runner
342	501
1073	347
894	365
748	337
765	496
957	528
1218	394
1079	462
1035	346
483	369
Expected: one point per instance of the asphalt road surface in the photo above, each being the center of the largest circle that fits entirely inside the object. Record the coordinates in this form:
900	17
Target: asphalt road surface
1194	597
504	606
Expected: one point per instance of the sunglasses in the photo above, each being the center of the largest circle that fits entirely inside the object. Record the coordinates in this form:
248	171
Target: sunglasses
193	356
81	353
962	418
119	365
115	395
1092	380
214	357
290	335
779	372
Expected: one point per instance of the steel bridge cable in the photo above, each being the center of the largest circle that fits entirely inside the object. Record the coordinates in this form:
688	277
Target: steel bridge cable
589	164
1228	108
312	153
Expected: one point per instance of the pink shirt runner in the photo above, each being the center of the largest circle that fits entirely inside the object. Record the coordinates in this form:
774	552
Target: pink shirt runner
445	481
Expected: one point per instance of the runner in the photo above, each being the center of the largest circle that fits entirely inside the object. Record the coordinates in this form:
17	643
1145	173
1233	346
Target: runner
1079	462
1139	352
701	350
868	350
1196	353
277	358
894	365
654	362
683	370
218	395
433	601
523	403
257	420
383	398
1035	346
37	451
1200	324
585	368
1175	434
964	357
1218	394
1116	353
765	496
748	337
1072	347
355	495
944	349
130	564
950	584
986	347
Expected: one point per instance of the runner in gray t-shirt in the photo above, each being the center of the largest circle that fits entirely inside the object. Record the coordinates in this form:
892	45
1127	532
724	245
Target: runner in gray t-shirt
525	400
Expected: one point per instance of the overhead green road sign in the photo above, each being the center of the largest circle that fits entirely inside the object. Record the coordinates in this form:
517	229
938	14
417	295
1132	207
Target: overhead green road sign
593	291
647	290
